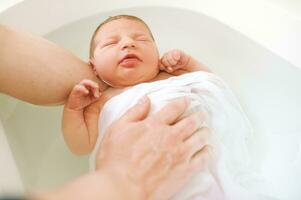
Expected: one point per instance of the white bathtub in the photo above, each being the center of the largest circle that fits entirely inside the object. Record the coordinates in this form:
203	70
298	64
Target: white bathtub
262	68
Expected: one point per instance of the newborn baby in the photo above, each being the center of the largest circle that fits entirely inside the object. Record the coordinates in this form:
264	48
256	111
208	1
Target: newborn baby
124	55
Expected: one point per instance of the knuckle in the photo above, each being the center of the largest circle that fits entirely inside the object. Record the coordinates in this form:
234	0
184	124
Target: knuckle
207	131
180	153
201	116
206	157
84	81
174	106
94	84
199	139
190	122
77	88
152	122
170	140
136	108
202	162
193	168
166	63
176	51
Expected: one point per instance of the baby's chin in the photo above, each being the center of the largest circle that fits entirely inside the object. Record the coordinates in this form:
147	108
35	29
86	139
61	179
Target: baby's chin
130	79
145	77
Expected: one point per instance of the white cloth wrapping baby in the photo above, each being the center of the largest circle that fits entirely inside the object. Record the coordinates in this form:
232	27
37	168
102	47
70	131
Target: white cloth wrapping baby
231	169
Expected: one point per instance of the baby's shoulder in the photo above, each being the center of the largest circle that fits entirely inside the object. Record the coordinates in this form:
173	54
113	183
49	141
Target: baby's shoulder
110	93
105	96
162	76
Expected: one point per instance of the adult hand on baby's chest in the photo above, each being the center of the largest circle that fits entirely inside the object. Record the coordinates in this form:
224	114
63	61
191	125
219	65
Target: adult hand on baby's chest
157	152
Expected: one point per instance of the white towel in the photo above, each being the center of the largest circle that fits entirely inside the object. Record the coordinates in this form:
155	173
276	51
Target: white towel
232	169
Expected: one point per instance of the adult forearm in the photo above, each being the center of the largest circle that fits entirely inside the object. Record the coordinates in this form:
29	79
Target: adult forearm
36	70
95	186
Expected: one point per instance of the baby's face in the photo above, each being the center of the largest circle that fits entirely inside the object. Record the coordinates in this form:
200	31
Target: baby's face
125	53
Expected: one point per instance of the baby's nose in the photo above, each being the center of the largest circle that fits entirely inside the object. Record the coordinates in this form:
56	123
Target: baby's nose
128	43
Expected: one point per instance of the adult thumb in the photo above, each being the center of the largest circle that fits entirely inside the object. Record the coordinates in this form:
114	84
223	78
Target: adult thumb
139	111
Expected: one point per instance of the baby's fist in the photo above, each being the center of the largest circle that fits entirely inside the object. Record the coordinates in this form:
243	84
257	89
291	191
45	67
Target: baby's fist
83	94
174	60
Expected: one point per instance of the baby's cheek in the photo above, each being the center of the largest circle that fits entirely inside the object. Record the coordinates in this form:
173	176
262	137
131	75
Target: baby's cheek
102	70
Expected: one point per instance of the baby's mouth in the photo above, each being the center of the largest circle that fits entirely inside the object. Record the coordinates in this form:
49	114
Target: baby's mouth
129	60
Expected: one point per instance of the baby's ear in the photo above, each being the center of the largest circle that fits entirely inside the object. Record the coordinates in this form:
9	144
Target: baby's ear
91	63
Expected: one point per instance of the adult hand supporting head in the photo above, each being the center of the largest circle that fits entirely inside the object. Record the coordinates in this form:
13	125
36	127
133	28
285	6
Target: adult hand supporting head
154	155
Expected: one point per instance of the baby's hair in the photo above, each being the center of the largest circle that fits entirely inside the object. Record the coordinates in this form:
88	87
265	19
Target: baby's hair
112	18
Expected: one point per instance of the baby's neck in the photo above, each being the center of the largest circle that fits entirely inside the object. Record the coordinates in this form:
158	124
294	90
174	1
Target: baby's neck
160	76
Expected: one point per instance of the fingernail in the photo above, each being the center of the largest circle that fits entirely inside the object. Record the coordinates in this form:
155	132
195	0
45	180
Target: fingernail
142	100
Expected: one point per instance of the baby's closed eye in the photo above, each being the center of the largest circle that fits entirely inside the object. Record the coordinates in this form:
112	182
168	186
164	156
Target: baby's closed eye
109	43
142	38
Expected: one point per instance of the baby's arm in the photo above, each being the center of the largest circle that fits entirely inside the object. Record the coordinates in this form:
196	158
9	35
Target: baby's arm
80	117
176	62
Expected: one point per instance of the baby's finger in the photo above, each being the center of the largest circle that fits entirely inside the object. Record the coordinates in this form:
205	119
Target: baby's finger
165	61
170	69
80	89
96	92
166	65
91	85
171	59
161	65
176	54
184	59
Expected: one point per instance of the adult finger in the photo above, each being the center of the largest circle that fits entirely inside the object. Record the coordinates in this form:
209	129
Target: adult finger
137	112
188	125
191	146
200	160
172	111
196	142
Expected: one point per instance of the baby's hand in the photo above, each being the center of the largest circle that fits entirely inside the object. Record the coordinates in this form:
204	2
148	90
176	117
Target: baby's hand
173	61
83	94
